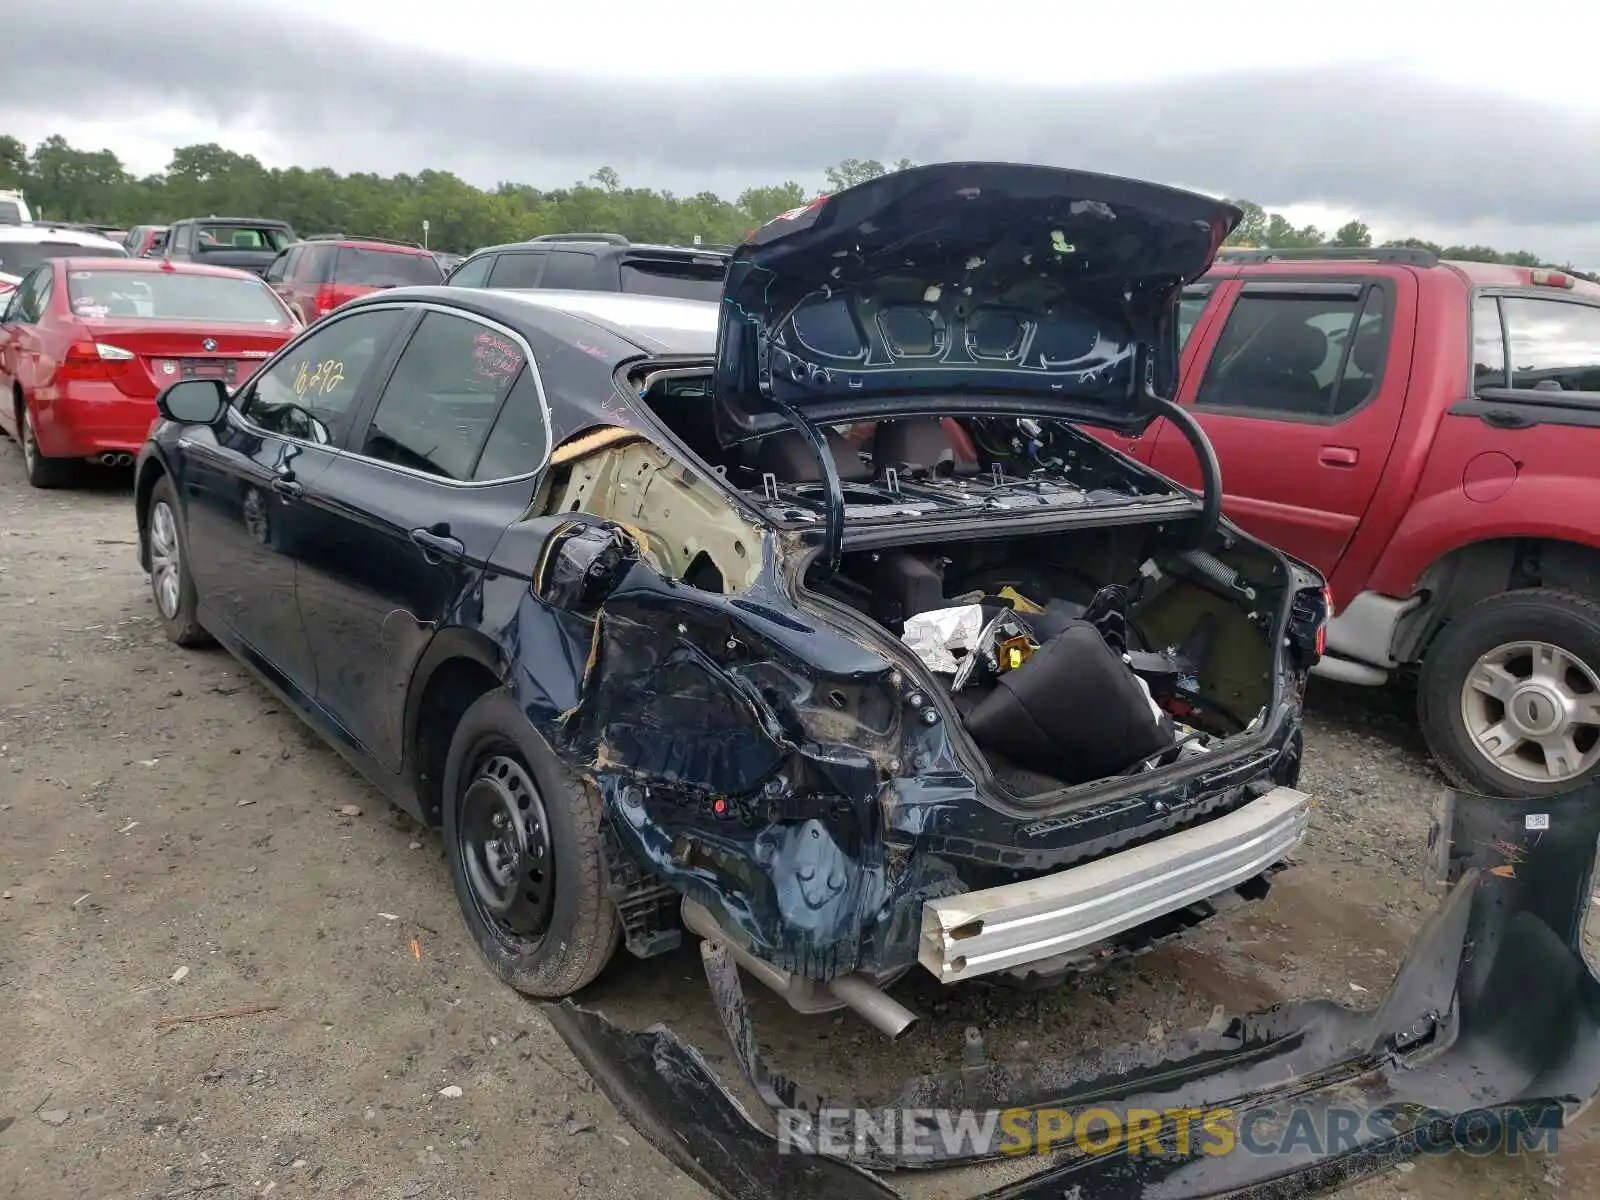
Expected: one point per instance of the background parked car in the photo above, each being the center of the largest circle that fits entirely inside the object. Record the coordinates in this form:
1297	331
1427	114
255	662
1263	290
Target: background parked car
318	274
248	243
1425	434
24	247
143	240
597	262
86	343
447	261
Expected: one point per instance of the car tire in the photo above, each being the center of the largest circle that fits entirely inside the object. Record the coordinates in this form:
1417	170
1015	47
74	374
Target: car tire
42	472
523	843
171	585
1512	669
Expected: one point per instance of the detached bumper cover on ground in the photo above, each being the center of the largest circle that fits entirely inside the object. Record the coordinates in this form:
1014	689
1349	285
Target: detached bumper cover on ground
1494	1015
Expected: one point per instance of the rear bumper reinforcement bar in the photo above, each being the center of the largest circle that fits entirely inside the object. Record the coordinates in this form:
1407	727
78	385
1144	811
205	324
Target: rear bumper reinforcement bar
976	933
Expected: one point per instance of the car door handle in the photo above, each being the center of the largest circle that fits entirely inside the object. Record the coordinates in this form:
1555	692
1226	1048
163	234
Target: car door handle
436	545
1339	456
287	486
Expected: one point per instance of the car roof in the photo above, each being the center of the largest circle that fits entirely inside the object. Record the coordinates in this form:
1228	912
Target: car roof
1475	274
617	248
56	233
153	266
653	325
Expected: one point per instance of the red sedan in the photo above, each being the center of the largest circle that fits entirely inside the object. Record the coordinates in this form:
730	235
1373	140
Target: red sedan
86	343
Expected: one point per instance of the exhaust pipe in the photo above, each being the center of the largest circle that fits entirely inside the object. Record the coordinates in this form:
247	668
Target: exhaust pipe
858	992
114	458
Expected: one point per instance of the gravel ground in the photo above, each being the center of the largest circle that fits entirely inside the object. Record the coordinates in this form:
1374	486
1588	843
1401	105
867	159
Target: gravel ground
173	843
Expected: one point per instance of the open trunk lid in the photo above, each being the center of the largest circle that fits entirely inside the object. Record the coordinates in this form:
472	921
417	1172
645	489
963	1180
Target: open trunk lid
961	287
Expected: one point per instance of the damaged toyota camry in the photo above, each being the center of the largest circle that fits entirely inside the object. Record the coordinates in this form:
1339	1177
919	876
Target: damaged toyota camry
808	623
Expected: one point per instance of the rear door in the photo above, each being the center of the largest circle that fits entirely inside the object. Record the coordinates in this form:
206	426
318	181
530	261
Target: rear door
1300	391
407	520
242	486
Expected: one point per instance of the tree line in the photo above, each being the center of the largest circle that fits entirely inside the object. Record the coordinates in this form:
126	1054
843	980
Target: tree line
66	183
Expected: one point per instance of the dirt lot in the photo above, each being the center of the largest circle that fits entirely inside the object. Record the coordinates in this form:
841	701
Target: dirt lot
171	842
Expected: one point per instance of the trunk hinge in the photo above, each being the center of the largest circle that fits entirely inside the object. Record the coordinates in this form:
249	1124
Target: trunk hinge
833	533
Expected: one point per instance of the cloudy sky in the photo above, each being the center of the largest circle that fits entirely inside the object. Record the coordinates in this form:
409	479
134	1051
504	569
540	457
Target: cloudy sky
1421	119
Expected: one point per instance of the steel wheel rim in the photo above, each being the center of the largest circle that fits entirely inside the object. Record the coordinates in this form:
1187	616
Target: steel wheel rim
30	444
165	560
1532	710
503	842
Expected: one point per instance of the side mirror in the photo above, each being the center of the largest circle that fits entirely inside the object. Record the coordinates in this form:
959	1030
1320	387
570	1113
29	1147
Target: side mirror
583	564
194	401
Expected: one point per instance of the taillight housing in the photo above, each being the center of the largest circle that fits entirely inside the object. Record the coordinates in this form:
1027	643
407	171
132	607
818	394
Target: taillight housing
88	360
1308	624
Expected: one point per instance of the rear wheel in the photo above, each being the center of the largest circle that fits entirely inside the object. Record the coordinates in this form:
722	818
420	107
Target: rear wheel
42	472
522	839
1509	697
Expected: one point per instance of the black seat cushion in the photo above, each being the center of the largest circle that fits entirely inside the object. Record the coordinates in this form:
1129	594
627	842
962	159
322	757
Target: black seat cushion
1074	711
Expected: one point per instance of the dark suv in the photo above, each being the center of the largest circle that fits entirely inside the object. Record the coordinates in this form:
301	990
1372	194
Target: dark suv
318	274
597	262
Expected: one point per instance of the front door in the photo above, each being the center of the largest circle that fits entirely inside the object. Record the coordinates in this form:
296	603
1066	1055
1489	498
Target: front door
407	521
1301	396
242	488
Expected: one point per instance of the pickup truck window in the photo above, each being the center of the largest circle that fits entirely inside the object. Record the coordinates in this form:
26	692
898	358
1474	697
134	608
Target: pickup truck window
1555	344
1488	343
1190	307
1316	353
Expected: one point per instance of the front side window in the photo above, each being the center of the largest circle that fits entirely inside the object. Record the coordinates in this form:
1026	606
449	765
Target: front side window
1299	354
169	296
1555	344
437	408
472	273
309	392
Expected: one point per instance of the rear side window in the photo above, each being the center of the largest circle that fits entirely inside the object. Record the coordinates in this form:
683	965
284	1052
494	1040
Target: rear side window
10	213
1300	354
516	271
367	267
569	271
446	389
520	437
687	279
1554	344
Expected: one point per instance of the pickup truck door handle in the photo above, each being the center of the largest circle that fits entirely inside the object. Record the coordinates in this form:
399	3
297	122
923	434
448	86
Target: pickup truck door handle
437	544
1339	456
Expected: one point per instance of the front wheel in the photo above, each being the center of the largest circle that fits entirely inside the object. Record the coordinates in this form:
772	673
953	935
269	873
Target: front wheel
1509	698
522	839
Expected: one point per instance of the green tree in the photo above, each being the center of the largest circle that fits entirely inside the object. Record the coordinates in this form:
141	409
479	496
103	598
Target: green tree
1353	235
69	183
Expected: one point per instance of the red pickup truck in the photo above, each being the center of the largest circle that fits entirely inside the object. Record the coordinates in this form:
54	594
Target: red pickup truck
1427	434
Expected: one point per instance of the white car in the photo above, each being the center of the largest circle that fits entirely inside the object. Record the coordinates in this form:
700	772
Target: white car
14	209
24	247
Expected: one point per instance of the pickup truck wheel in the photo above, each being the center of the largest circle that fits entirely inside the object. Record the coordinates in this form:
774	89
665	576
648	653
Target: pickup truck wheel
522	839
1509	698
